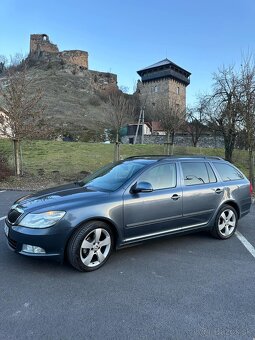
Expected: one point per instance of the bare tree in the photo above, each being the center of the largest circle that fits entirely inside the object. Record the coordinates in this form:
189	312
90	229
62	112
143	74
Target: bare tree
122	111
3	63
171	116
247	84
225	106
196	119
22	109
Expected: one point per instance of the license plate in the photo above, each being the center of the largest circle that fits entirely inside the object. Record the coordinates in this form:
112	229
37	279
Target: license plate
6	230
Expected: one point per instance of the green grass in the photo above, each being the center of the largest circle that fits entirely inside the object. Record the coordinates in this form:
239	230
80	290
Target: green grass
71	158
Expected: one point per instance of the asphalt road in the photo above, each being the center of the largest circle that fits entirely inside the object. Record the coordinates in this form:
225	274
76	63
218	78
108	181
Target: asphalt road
188	287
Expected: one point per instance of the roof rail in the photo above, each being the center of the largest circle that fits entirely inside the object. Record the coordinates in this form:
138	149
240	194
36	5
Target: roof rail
193	156
174	156
148	156
215	157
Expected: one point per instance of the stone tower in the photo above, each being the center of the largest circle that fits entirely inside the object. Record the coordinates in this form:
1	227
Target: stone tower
41	43
163	80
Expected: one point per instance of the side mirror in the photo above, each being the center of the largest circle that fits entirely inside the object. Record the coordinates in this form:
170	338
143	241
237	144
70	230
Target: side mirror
141	187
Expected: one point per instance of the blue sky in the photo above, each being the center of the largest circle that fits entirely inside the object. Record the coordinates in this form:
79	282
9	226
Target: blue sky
125	36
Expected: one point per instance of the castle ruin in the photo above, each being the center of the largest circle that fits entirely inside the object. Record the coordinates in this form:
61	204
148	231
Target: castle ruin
42	50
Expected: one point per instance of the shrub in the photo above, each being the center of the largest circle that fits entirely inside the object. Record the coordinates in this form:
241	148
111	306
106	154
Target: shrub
94	101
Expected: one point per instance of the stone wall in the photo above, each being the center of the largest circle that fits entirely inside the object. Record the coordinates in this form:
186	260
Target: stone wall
153	91
103	80
75	57
180	140
177	93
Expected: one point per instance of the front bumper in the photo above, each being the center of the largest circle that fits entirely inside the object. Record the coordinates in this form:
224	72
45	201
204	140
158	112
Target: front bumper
53	240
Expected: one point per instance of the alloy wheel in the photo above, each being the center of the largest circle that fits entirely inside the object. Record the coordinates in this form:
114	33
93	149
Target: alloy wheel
95	247
227	222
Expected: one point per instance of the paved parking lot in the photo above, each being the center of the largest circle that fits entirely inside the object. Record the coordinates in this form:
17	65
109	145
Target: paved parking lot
188	287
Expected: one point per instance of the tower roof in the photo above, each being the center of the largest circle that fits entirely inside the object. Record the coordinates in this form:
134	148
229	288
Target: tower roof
164	69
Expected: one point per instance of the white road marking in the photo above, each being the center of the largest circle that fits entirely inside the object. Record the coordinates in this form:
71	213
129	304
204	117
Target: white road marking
246	243
2	190
2	218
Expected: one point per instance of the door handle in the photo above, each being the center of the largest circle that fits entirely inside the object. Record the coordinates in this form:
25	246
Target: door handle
218	191
175	197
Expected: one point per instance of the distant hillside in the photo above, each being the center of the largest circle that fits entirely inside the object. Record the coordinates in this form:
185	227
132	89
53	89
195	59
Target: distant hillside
73	98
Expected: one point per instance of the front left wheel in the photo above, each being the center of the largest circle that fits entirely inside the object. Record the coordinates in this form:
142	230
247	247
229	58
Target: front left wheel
90	246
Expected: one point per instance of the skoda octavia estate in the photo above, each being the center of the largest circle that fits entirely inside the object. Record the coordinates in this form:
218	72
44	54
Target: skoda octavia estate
130	201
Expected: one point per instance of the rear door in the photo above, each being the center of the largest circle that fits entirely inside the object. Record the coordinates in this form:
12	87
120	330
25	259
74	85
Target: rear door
202	192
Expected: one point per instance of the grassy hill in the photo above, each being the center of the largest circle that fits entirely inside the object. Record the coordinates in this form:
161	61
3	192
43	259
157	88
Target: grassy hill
51	162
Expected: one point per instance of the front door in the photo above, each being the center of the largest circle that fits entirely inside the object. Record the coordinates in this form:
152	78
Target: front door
156	212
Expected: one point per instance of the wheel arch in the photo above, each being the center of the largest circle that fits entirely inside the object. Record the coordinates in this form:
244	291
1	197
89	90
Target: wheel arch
233	205
101	219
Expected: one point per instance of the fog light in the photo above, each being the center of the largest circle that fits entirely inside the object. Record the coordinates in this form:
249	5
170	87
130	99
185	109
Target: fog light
32	249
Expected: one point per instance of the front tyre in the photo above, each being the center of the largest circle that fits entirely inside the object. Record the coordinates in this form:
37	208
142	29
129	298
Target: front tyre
225	223
90	246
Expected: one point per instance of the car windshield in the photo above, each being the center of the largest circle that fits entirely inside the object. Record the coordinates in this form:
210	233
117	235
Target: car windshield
114	175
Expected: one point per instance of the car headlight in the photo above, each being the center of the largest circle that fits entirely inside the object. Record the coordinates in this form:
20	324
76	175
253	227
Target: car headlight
41	220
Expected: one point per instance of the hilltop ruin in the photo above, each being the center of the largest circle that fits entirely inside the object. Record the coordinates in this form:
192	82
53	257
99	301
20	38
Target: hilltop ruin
42	51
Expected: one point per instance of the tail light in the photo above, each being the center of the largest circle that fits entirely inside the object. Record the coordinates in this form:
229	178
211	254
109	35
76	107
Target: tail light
251	189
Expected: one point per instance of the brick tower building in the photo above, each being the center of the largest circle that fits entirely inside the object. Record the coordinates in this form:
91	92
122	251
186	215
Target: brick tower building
163	80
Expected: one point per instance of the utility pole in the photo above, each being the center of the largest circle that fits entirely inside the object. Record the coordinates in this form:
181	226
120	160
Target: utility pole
137	128
142	139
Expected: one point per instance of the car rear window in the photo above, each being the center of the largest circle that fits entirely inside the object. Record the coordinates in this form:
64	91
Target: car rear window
228	172
195	173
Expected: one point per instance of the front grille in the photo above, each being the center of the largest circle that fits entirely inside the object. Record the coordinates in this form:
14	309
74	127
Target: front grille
13	215
12	243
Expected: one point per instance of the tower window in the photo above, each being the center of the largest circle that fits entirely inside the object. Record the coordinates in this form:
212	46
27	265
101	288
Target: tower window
178	90
45	37
154	89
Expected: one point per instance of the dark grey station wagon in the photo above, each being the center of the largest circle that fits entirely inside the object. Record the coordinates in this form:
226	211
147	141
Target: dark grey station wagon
134	200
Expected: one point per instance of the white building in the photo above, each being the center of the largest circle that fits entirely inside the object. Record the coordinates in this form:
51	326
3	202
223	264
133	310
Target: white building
5	129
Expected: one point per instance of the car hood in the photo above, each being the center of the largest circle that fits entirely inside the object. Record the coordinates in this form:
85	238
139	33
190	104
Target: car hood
57	196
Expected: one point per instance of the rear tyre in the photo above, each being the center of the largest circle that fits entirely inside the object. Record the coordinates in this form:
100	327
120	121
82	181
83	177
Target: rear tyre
90	246
225	223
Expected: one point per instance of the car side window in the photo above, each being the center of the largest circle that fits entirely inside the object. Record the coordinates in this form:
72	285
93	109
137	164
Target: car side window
195	173
160	177
228	172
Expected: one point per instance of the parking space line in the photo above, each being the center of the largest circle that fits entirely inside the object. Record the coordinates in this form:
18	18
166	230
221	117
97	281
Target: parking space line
2	218
2	190
246	243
